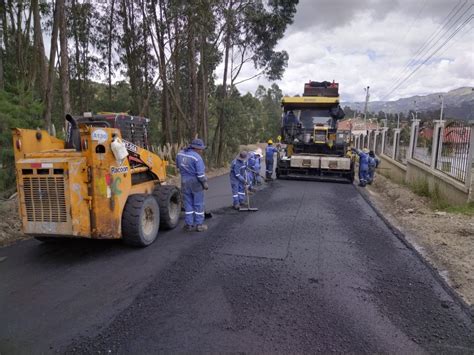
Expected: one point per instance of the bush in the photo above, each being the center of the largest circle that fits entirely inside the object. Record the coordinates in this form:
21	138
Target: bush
16	110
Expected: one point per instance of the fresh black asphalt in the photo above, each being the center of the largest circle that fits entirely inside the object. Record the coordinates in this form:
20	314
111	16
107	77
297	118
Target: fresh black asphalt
314	270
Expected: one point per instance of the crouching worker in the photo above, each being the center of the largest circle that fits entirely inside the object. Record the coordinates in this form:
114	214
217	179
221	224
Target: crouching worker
373	164
363	165
193	183
238	182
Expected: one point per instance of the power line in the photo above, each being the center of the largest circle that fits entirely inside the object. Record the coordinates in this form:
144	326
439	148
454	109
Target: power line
428	45
432	54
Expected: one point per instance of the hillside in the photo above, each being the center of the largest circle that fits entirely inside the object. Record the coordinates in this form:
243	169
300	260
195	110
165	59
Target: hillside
459	103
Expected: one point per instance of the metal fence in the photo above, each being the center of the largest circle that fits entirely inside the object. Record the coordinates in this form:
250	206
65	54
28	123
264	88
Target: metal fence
423	143
453	150
402	144
378	143
388	144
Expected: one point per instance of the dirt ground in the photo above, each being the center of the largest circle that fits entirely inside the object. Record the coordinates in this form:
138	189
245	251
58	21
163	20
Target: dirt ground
445	239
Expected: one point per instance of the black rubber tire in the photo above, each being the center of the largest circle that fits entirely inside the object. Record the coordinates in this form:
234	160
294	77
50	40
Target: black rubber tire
50	239
140	220
170	202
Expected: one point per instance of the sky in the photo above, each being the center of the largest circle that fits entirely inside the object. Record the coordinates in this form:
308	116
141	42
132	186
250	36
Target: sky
376	43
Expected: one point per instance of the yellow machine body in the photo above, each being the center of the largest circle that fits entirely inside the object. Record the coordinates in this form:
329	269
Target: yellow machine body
78	193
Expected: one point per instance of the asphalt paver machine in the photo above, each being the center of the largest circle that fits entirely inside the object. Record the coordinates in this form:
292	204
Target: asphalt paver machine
312	146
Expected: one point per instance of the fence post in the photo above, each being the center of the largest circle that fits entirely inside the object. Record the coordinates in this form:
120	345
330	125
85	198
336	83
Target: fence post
396	140
436	144
374	145
470	159
413	135
384	136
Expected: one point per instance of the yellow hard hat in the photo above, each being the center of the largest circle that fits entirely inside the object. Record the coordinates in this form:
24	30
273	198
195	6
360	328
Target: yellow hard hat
270	141
365	150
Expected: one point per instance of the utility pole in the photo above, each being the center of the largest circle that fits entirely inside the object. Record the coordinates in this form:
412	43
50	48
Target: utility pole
442	107
367	95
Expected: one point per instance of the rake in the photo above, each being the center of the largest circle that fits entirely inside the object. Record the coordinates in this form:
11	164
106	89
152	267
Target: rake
248	208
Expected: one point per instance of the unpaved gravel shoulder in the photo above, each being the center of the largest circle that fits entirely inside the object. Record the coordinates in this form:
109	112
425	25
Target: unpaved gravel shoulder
445	239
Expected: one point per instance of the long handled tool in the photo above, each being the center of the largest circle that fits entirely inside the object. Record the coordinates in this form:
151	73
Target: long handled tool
248	208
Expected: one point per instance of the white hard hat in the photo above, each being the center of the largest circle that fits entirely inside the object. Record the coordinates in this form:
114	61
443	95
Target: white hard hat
258	151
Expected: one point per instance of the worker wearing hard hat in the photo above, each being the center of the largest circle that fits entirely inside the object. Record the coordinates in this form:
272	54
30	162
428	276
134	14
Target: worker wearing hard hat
193	183
238	179
363	165
269	153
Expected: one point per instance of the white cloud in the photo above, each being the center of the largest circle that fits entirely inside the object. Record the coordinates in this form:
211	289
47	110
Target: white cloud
369	42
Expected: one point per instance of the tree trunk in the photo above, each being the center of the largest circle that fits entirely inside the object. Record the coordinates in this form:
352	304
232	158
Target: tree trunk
219	132
64	68
2	80
49	87
39	48
78	102
204	91
109	50
220	149
193	82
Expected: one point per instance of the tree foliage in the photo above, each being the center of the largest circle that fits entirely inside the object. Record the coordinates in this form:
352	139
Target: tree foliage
157	58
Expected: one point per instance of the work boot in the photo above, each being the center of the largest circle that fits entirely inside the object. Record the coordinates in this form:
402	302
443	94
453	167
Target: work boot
188	228
236	207
201	228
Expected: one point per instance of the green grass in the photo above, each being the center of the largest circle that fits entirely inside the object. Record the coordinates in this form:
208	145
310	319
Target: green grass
467	209
421	188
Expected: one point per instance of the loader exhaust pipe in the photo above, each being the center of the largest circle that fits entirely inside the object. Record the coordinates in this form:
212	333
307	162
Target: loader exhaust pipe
73	137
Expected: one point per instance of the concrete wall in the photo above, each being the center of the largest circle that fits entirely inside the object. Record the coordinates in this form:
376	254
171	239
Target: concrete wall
392	169
450	190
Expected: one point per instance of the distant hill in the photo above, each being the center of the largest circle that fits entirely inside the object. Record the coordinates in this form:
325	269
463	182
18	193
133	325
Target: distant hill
458	103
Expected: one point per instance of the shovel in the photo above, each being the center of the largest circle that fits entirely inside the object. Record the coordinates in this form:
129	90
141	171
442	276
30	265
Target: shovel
248	208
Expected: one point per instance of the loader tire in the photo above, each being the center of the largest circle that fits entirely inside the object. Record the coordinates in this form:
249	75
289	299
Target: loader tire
169	200
140	220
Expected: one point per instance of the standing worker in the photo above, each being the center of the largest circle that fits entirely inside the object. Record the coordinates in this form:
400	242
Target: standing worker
238	179
373	164
193	183
251	161
258	165
269	152
363	165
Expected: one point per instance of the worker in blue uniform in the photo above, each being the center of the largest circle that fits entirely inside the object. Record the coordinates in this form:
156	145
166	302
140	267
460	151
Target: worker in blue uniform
363	165
257	166
251	161
193	183
373	164
269	153
238	179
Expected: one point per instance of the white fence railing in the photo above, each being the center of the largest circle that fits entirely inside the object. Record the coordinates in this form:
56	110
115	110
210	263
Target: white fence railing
442	146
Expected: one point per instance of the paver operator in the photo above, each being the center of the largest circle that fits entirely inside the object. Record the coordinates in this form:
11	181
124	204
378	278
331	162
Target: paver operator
193	183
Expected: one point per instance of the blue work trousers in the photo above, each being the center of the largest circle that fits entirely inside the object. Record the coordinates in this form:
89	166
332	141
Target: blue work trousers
238	192
363	174
269	168
193	205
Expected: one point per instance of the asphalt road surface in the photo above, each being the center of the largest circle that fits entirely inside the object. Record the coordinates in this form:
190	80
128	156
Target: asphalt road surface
314	270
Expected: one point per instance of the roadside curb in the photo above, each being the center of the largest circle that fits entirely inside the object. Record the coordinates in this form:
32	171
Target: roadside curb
402	237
